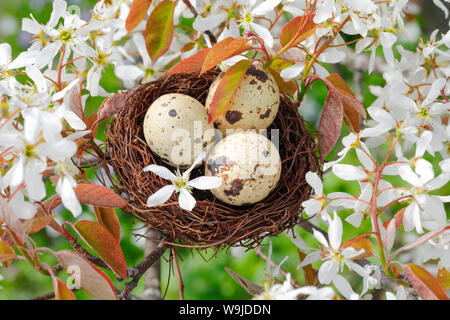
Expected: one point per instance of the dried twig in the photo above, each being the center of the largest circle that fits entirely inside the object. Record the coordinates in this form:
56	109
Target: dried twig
137	272
178	272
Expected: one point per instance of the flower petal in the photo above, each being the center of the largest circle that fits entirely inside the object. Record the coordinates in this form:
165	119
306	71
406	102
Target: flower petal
160	196
335	232
161	171
349	172
186	200
205	183
314	181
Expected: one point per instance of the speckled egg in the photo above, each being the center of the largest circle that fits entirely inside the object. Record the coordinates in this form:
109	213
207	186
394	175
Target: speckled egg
254	104
249	165
176	128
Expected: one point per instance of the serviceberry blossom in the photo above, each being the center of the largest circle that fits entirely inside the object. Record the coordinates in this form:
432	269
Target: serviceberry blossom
422	203
334	257
180	184
285	291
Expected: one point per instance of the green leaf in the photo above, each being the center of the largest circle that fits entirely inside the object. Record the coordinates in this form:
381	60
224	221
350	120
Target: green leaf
104	244
159	30
223	50
91	279
62	292
426	285
107	217
138	11
227	87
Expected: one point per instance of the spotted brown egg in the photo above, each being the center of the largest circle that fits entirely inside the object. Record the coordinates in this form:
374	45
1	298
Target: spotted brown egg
254	104
249	165
176	128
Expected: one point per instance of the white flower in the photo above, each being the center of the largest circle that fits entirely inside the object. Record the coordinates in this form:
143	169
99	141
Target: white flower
317	204
180	184
400	295
251	12
333	256
422	180
439	248
148	70
285	291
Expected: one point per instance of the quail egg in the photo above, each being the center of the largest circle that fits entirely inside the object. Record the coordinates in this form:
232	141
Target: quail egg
249	165
254	104
176	128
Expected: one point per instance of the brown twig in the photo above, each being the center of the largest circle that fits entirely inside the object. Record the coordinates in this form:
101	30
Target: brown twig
137	272
178	272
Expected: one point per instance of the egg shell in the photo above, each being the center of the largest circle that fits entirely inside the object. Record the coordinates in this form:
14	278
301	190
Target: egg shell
249	165
254	104
176	128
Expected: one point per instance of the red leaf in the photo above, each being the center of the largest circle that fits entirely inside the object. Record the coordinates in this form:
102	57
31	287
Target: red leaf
91	124
50	204
297	30
341	101
287	87
250	287
107	217
98	195
360	243
227	87
353	109
75	102
223	50
138	11
443	277
159	30
8	217
62	292
190	64
308	271
37	223
111	106
92	279
294	54
330	123
104	244
398	217
6	253
389	237
426	285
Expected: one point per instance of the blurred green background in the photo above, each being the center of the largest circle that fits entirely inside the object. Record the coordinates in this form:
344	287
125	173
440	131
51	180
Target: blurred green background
203	275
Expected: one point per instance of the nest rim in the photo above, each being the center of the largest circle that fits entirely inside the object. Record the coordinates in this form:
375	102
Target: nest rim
211	223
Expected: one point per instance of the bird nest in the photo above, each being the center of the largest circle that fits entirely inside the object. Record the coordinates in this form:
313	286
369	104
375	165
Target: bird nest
211	223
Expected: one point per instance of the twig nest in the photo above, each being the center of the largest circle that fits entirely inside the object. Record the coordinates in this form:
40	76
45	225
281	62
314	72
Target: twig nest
254	104
211	223
249	165
176	128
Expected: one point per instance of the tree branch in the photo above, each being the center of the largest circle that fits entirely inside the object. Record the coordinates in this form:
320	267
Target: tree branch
137	272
